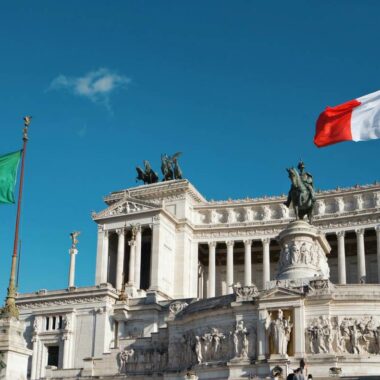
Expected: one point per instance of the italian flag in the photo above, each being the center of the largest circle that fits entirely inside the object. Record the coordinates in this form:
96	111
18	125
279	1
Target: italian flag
355	120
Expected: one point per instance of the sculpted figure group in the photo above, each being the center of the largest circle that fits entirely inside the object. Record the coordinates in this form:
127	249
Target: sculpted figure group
336	335
169	167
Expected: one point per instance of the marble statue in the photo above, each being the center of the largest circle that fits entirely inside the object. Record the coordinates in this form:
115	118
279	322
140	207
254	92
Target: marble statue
279	330
74	239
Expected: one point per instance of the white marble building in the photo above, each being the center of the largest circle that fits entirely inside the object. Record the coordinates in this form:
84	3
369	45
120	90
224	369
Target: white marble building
183	284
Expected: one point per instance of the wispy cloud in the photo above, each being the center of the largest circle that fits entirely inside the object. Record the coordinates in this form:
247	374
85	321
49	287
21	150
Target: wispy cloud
96	85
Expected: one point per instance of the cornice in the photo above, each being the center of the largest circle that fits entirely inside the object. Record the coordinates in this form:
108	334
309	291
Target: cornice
159	191
44	298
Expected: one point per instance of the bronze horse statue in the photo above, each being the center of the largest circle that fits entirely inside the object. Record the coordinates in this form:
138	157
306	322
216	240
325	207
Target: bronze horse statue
148	176
300	195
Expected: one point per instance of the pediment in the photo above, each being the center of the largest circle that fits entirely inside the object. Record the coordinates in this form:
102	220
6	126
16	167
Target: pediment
125	206
279	292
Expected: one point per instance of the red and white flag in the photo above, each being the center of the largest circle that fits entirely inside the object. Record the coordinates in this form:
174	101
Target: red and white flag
356	120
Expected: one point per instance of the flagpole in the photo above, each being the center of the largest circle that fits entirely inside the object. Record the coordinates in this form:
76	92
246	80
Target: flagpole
10	308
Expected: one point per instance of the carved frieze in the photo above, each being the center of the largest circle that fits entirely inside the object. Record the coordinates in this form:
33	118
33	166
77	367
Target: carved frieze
343	335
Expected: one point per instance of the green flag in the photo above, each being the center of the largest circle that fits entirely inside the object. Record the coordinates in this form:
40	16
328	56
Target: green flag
8	173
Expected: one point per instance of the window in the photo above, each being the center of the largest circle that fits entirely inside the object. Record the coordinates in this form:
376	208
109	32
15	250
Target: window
53	355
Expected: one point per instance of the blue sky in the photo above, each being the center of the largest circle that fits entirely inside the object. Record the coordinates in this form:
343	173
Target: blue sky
235	85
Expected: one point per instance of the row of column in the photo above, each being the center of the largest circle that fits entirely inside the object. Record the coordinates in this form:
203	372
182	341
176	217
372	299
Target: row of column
230	265
342	277
134	273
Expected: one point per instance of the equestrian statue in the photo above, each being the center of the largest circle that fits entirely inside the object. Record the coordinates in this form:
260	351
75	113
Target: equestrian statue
301	194
148	176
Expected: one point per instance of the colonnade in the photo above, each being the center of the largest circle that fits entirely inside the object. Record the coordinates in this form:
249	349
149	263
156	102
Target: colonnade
230	264
134	267
360	249
342	271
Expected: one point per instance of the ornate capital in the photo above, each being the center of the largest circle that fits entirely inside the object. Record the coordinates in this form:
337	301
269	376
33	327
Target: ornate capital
120	231
230	243
359	231
340	233
248	242
132	243
212	244
377	228
265	240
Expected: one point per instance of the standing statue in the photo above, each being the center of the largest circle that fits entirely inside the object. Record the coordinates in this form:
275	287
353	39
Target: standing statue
170	167
74	239
301	193
279	330
148	176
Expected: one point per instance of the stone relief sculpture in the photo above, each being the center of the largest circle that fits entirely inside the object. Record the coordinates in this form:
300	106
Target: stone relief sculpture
267	213
211	345
321	207
303	252
284	211
339	205
359	202
231	216
249	215
279	331
336	335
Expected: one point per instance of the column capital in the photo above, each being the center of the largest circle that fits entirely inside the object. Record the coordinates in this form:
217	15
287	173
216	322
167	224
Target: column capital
212	244
120	231
73	251
265	240
340	233
230	243
132	243
359	231
247	242
377	228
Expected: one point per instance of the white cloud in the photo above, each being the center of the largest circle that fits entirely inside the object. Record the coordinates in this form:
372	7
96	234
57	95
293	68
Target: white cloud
95	85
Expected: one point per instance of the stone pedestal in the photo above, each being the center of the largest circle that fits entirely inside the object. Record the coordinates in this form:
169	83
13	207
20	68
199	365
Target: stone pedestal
303	252
14	358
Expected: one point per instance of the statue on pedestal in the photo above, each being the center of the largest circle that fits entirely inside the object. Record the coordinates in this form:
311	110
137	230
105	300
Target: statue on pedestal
279	330
301	193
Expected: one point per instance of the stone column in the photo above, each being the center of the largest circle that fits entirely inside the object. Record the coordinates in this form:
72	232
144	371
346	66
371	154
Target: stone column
361	255
341	258
138	257
247	263
73	252
261	335
132	260
298	320
211	269
230	266
120	258
101	275
266	261
377	228
104	273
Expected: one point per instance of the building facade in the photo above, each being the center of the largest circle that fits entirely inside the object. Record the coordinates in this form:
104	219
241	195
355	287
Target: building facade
185	284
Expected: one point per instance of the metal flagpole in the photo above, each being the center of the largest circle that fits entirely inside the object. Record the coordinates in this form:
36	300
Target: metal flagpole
10	308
